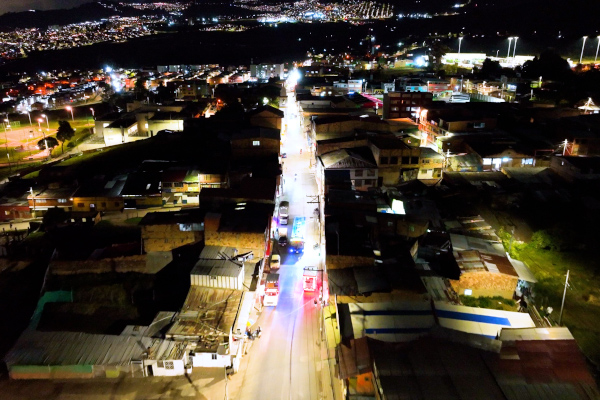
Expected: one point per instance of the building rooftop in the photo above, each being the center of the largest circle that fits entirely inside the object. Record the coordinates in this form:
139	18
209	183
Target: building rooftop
75	348
207	314
101	187
357	157
216	268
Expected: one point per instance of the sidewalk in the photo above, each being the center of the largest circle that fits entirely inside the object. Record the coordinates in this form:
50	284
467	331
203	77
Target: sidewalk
328	360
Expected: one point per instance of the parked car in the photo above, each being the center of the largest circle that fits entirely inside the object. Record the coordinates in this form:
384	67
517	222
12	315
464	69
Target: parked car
283	155
275	261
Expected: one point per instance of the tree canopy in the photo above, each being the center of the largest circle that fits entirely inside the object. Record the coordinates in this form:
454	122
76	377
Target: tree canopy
47	143
65	132
550	65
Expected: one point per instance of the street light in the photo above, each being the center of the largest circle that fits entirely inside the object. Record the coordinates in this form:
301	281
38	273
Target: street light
47	123
508	54
459	43
515	46
582	46
29	115
69	108
39	120
93	114
597	48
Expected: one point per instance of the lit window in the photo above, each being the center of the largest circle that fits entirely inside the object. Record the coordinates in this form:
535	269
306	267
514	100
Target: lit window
487	161
468	292
256	143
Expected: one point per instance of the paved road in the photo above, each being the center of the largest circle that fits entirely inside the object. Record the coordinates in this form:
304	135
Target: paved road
286	362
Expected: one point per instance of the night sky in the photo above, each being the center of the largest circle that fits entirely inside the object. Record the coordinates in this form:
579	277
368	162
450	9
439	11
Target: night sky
23	5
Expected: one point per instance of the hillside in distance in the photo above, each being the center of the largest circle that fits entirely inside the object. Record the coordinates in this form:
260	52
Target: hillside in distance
86	12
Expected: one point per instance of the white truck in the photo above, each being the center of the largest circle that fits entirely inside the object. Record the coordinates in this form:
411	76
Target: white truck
284	207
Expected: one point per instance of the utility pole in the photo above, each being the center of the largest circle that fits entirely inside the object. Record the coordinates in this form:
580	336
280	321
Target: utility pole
226	379
562	306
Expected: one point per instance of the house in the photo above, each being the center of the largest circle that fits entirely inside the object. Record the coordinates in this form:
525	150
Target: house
51	196
100	195
123	130
76	355
182	185
142	190
165	120
266	117
405	104
245	226
446	364
486	269
256	142
165	231
387	302
347	168
207	319
396	160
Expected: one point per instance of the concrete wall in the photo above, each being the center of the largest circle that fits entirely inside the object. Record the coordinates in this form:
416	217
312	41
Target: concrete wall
177	370
239	240
339	262
485	284
206	360
167	237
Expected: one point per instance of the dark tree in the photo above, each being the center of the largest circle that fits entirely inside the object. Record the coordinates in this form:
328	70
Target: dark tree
490	69
550	65
53	217
438	50
65	132
48	143
140	87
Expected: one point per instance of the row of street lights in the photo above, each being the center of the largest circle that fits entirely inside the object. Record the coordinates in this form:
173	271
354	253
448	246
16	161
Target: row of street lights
583	46
510	39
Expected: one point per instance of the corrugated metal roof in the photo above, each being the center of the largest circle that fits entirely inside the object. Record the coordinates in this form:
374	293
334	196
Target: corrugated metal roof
76	348
216	268
217	252
207	312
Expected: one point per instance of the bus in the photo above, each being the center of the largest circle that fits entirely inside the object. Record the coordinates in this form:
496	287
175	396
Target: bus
271	290
297	238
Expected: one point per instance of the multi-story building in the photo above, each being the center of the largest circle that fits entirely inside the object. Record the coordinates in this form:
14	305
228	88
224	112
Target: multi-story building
266	71
405	104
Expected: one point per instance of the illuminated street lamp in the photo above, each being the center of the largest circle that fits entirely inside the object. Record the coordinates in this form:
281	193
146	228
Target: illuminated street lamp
582	46
39	120
93	114
597	48
515	46
69	108
508	54
7	125
47	123
459	43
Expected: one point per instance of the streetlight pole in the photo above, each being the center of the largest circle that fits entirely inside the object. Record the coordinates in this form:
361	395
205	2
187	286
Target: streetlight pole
515	47
459	43
508	54
29	115
69	108
47	123
562	306
582	46
597	48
